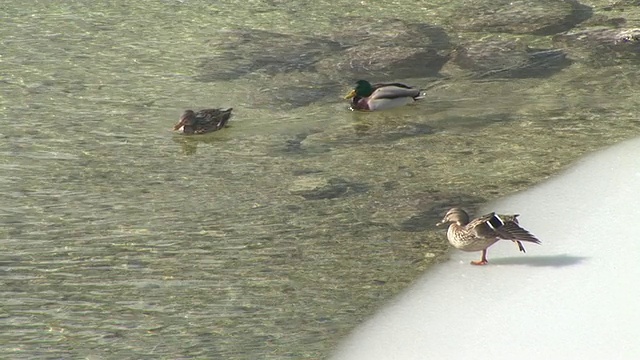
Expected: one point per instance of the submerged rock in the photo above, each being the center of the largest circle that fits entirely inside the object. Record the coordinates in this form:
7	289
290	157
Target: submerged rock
295	145
293	96
373	130
543	17
354	31
602	46
246	51
508	59
386	49
390	62
317	188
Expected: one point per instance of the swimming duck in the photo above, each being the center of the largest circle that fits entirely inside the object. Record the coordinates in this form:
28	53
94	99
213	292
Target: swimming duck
381	96
483	232
203	121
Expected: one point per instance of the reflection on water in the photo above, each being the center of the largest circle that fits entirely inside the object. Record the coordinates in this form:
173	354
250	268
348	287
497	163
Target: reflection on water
273	237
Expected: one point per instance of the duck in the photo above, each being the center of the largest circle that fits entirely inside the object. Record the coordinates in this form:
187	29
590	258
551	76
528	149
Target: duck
484	231
203	121
382	96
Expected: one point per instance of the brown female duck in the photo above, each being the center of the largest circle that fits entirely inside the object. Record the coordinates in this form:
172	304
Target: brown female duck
483	232
203	121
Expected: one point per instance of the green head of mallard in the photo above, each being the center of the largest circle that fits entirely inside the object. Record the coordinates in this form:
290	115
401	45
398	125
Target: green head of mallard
362	89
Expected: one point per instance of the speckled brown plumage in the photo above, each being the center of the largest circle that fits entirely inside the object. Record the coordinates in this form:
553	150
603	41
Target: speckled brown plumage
480	233
203	121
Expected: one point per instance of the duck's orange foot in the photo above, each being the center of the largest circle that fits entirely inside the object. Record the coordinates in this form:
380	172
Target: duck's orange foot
483	259
481	262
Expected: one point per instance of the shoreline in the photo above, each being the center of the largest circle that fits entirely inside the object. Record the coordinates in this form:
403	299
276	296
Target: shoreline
571	297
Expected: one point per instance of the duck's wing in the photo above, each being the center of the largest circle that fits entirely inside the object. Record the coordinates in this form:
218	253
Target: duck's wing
400	85
208	113
482	227
501	226
514	219
394	91
217	118
512	231
507	218
224	117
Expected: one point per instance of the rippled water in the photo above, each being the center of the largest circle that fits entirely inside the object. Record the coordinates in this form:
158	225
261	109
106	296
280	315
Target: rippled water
274	237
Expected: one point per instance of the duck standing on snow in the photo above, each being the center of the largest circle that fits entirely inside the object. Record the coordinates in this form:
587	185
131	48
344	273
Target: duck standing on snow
381	96
203	121
483	232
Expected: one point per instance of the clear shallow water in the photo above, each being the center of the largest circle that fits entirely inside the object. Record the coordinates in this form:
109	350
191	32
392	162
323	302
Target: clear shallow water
273	238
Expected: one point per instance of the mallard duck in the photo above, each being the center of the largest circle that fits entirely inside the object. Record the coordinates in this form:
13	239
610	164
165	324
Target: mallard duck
381	96
483	232
203	121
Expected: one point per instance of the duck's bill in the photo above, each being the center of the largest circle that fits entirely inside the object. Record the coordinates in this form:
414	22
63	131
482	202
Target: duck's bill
180	123
440	223
178	126
351	94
